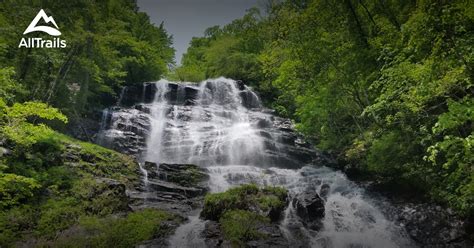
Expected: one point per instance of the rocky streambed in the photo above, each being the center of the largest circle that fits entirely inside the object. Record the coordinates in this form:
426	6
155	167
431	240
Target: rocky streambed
192	140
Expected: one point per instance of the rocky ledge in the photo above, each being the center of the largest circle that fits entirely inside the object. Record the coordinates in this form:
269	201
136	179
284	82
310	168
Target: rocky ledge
178	188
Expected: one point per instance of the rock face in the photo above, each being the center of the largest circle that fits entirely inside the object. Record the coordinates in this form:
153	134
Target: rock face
199	111
186	175
310	208
432	226
175	187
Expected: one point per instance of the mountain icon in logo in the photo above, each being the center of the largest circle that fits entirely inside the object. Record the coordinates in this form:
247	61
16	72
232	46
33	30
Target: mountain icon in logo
49	30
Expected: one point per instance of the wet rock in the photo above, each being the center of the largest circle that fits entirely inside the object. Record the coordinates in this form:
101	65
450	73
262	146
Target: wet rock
212	234
130	129
433	226
152	169
263	123
249	99
273	237
324	191
178	188
283	124
187	175
159	185
181	94
310	208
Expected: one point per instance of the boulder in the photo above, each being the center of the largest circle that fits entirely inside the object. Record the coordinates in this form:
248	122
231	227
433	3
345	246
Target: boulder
309	207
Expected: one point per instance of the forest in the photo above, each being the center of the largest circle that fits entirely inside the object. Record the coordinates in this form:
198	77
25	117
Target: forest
384	86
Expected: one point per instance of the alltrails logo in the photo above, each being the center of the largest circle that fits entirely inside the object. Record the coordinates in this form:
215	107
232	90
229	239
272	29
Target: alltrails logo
40	42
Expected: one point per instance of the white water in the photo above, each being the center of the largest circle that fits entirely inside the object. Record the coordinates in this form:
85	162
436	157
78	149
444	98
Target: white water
215	131
351	219
221	129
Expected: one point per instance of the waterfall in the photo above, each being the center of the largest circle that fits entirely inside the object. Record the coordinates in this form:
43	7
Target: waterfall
217	130
220	124
158	123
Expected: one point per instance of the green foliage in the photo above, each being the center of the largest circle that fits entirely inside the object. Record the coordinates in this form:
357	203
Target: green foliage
244	197
229	51
387	85
98	198
109	44
453	154
57	215
46	187
126	231
239	226
19	130
9	88
15	188
190	177
14	222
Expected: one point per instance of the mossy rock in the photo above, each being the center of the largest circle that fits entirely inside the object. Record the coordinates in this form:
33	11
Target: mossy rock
239	226
267	201
186	175
74	178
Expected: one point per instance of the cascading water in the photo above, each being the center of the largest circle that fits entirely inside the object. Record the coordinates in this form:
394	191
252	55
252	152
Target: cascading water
220	124
216	130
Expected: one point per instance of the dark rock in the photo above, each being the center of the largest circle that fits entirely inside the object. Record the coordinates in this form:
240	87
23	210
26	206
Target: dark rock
283	124
212	234
187	175
263	123
159	185
178	188
181	94
431	225
273	237
249	99
240	85
310	208
323	193
152	169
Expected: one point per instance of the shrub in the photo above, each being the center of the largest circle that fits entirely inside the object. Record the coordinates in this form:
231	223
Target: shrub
15	188
244	197
116	231
239	226
57	215
14	221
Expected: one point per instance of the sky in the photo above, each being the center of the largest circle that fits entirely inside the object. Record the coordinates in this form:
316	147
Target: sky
185	19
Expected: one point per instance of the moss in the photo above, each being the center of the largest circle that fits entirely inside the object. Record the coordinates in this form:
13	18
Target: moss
240	226
244	197
98	161
191	176
65	172
99	198
114	231
57	215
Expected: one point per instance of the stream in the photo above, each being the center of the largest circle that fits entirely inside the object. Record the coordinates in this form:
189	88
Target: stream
220	125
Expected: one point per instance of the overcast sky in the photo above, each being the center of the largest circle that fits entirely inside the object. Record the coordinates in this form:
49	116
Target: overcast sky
185	19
